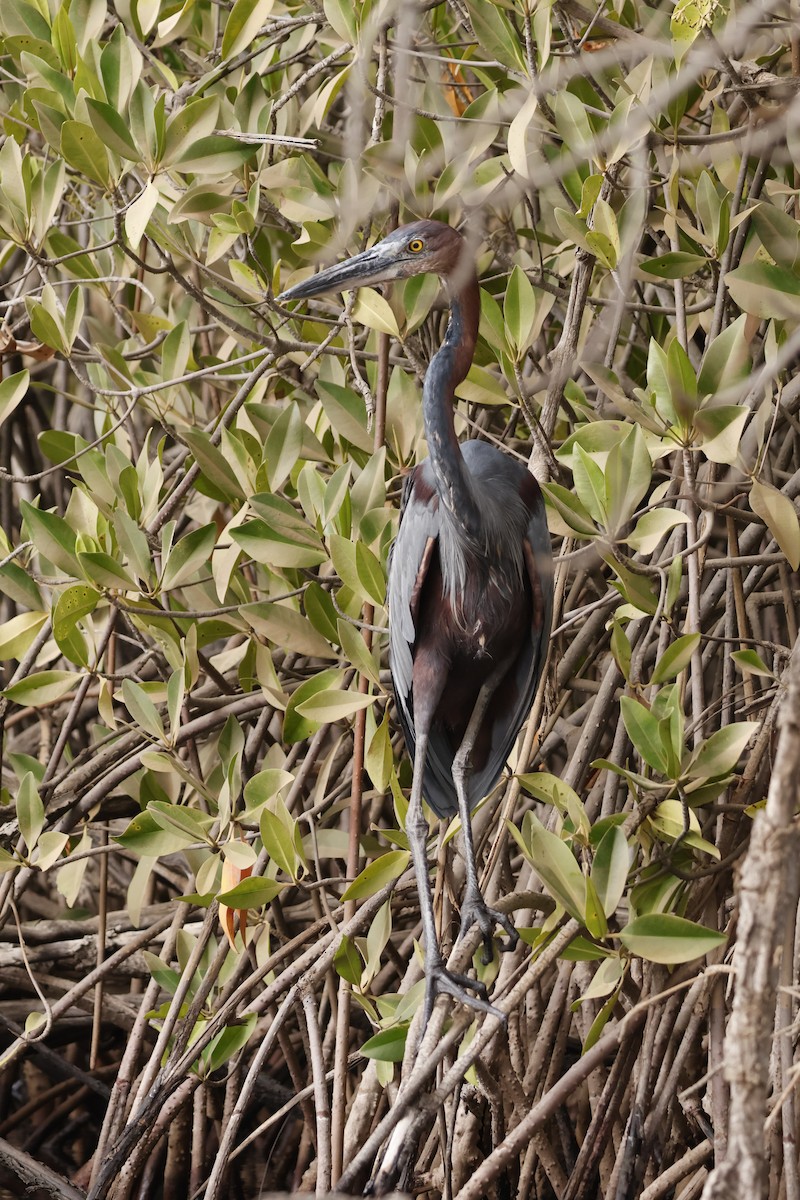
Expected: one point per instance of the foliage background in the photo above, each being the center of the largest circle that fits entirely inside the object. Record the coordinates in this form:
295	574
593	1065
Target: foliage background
198	493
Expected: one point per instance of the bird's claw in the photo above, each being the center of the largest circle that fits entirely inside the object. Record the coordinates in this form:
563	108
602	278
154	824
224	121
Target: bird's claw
477	912
440	981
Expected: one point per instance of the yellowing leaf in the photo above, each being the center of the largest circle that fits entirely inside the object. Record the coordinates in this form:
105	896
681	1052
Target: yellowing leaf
373	311
780	516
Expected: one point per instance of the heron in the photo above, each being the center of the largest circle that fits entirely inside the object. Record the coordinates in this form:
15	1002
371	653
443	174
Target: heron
470	592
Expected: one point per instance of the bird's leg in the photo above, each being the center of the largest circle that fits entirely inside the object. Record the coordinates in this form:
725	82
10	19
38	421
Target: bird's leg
475	910
437	977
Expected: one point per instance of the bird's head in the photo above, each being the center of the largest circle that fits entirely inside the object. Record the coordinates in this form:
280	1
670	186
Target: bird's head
416	249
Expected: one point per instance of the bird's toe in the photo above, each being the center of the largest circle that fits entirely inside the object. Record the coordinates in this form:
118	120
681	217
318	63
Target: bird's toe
477	912
471	992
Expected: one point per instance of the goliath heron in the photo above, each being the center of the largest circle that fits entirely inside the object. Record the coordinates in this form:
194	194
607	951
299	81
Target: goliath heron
470	590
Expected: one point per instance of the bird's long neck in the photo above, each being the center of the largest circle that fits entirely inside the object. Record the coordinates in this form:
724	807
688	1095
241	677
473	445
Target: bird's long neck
448	368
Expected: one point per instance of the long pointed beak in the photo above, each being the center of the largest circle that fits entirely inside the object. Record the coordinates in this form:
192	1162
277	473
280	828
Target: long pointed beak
370	267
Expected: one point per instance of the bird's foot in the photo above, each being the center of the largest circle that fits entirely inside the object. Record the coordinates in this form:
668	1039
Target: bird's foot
439	981
475	911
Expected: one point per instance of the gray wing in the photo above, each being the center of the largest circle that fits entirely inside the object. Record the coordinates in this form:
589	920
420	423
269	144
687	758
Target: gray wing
525	673
410	559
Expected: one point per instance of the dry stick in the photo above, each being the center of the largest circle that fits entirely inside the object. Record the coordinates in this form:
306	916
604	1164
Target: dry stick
180	490
489	1170
181	992
80	694
7	883
197	1163
667	1180
150	1134
784	1023
597	1135
59	1007
339	1114
321	1098
434	1046
115	1112
767	899
693	605
35	1175
563	357
309	968
102	919
316	964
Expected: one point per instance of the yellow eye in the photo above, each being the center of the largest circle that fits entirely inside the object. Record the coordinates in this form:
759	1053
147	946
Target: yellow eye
415	245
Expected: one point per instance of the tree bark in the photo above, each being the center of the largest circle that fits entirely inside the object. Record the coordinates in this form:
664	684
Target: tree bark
767	900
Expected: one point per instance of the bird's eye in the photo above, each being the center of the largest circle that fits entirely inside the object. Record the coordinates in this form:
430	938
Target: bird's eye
415	245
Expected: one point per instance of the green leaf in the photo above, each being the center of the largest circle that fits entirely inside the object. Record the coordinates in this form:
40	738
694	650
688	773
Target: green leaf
112	130
377	874
379	759
749	662
264	786
101	568
84	151
216	468
780	516
610	868
726	361
676	264
347	962
599	1023
287	628
188	123
52	537
496	34
519	311
720	753
279	842
370	573
556	865
145	836
651	528
142	709
166	977
44	687
590	484
780	235
389	1045
346	412
49	848
73	603
675	658
665	938
189	822
721	431
30	811
245	20
642	728
187	557
570	510
282	538
228	1042
341	17
215	155
373	311
283	445
354	648
765	290
334	705
627	477
19	633
635	587
253	892
12	389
